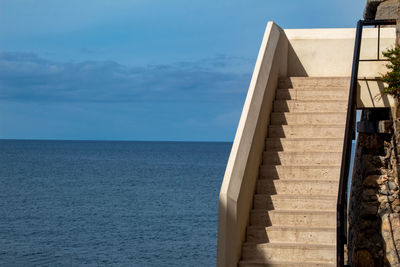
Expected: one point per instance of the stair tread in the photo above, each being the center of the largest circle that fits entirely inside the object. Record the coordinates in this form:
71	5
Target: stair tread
294	211
305	88
300	166
302	153
311	100
291	196
307	113
290	245
308	126
314	78
288	263
301	181
294	165
305	139
294	227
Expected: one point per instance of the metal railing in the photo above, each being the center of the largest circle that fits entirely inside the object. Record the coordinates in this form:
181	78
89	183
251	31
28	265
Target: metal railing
341	208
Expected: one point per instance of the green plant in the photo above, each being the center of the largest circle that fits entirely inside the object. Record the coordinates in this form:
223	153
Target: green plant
392	77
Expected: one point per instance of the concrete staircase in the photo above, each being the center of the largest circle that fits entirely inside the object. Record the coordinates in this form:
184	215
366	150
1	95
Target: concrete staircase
293	221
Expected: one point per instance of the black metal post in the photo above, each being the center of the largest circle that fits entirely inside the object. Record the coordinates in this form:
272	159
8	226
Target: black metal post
341	229
379	39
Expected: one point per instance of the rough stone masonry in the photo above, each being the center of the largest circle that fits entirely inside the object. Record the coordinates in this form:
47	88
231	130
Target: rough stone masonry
374	205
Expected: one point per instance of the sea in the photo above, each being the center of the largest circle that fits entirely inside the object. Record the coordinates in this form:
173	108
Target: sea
99	203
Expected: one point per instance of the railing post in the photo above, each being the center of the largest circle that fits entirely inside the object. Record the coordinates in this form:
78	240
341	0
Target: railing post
341	227
341	208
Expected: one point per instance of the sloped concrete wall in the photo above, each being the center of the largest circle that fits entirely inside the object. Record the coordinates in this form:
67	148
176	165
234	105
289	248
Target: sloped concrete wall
236	195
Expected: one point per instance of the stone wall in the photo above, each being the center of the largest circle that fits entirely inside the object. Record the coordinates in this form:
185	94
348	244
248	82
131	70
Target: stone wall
374	204
381	9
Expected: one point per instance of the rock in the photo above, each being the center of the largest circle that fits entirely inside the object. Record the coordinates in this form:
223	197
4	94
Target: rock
390	198
369	166
370	9
368	224
384	210
383	199
368	127
369	195
370	141
390	228
396	202
396	209
371	181
391	185
367	210
363	258
379	161
385	192
385	126
387	10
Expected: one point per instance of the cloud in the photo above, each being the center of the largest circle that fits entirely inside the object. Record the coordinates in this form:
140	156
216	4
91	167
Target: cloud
26	77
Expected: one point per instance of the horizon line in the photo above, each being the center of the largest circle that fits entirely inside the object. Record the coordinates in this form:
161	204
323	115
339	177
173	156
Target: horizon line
113	140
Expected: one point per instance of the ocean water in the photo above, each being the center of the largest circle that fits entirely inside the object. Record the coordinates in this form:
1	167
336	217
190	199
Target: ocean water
74	203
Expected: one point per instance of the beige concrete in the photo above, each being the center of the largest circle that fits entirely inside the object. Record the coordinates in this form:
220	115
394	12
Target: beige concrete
303	144
302	158
301	187
310	105
292	203
292	234
307	118
289	252
306	131
329	52
314	83
291	94
235	199
370	94
323	172
284	218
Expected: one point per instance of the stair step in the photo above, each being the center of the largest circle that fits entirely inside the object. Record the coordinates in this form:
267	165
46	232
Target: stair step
301	158
261	263
289	252
306	131
301	187
328	94
291	234
310	106
292	203
304	144
314	82
308	118
294	172
304	218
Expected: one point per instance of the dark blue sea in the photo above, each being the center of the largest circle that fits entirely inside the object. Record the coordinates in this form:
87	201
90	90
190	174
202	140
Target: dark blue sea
74	203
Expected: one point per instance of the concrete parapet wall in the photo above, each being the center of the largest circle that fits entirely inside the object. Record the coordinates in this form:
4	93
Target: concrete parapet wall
236	195
329	52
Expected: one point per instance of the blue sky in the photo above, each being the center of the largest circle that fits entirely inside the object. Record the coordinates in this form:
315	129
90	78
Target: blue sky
138	70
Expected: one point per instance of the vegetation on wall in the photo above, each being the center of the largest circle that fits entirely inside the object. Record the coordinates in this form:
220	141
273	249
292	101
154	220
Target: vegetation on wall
392	77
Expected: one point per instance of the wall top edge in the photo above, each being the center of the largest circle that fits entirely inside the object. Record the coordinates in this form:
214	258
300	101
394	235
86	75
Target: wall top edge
338	33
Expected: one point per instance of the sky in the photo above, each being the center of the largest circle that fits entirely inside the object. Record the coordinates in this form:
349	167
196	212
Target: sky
139	69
